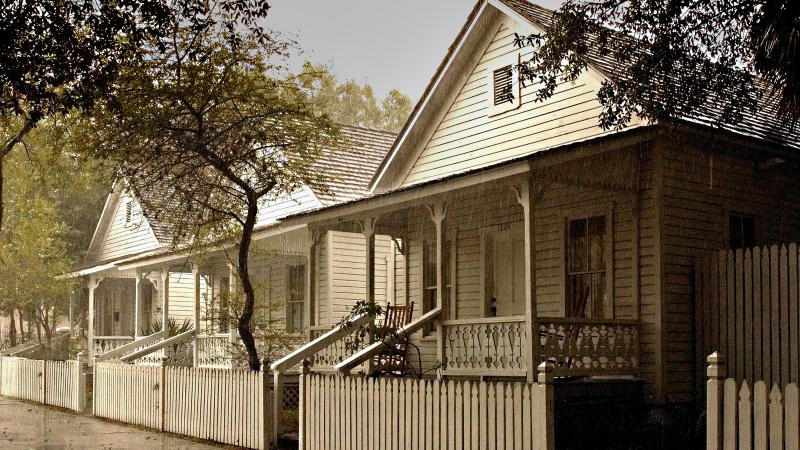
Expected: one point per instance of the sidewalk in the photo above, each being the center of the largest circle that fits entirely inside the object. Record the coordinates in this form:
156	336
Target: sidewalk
30	426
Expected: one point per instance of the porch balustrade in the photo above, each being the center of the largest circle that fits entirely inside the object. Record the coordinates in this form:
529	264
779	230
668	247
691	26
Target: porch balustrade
326	359
590	346
495	346
104	344
486	346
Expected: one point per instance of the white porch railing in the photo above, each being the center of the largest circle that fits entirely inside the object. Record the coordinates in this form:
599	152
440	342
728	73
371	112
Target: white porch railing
321	343
105	344
576	346
135	345
485	346
174	348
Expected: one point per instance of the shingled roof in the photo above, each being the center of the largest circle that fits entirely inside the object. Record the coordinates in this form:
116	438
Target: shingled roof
350	168
762	123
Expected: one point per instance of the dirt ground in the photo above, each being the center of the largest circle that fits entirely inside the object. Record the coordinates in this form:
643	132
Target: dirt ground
29	426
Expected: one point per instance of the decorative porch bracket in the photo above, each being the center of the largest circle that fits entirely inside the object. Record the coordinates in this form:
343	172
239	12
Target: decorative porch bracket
373	349
131	347
174	340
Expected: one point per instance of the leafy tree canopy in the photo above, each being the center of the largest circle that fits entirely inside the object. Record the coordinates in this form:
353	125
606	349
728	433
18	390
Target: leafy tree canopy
352	103
60	55
715	58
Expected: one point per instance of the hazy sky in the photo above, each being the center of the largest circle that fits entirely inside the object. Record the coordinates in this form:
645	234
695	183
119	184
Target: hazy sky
389	43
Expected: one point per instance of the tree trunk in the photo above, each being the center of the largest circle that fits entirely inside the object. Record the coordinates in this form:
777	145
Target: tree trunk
1	193
245	327
12	330
22	336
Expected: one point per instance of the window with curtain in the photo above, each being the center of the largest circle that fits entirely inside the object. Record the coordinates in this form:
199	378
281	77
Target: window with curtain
586	267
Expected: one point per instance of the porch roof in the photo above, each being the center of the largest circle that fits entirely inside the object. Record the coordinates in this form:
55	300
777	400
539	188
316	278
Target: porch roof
458	180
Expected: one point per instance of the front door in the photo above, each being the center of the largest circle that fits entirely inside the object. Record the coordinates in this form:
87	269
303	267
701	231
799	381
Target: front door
504	246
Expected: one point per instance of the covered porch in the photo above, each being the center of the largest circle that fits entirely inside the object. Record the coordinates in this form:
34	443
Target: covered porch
184	306
534	261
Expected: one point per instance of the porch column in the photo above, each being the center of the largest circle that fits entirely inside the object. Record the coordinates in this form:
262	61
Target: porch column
137	307
311	273
196	278
368	229
528	194
164	298
438	213
91	285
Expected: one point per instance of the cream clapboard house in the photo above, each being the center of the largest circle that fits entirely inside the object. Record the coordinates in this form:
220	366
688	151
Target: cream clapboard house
532	235
132	272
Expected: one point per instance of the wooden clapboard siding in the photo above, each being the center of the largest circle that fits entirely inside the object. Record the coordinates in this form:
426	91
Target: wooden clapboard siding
181	296
701	187
122	240
272	209
342	274
467	138
493	204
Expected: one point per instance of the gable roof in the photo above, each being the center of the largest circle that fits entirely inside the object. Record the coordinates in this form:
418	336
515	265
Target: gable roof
349	168
762	123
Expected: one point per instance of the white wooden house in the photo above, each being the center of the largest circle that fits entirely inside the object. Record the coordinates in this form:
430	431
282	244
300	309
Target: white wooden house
132	270
523	233
529	234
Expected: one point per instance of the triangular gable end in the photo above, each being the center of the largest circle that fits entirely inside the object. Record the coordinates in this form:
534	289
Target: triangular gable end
466	132
121	231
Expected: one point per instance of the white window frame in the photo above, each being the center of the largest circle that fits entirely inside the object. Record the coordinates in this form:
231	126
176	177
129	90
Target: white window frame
511	59
301	302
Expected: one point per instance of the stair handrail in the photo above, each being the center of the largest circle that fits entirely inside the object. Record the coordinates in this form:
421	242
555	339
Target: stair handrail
122	350
376	347
177	339
320	343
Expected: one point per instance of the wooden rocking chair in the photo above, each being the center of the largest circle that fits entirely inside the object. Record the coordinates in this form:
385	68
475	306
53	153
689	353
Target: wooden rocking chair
392	359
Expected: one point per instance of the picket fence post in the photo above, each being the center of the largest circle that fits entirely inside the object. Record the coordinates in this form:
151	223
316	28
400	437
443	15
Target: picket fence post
162	397
301	428
264	423
43	392
544	424
715	373
80	380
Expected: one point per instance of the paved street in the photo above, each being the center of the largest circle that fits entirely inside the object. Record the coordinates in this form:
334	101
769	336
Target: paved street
29	426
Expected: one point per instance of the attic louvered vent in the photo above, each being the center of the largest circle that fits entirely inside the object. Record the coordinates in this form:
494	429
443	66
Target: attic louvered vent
502	82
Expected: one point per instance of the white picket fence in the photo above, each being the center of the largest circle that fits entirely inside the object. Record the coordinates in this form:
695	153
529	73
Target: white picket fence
355	413
228	406
56	383
743	417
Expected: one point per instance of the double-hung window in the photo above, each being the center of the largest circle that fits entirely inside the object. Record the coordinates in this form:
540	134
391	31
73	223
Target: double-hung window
587	267
296	296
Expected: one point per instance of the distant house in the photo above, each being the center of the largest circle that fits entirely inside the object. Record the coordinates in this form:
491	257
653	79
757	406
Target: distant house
131	258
